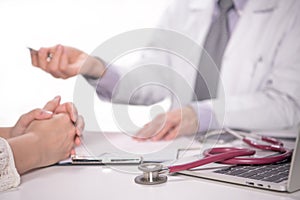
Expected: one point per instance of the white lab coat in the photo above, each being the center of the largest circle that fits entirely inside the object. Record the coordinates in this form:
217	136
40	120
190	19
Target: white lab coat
260	69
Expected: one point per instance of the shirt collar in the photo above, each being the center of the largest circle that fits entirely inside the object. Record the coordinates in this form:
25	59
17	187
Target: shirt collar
239	4
204	4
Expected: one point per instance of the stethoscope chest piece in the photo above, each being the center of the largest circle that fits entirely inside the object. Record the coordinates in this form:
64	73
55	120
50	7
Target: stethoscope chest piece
151	174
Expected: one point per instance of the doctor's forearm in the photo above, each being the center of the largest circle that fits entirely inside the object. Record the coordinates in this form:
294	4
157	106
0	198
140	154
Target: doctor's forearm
124	89
105	84
93	67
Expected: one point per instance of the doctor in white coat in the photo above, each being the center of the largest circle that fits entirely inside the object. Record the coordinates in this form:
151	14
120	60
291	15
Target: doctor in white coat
259	75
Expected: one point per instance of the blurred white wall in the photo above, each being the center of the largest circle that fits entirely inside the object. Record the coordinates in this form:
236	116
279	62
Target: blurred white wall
80	23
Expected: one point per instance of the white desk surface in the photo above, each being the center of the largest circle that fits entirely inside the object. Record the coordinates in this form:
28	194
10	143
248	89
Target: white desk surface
94	182
102	182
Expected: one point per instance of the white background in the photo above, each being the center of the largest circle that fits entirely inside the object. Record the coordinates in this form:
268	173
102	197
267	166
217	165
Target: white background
83	24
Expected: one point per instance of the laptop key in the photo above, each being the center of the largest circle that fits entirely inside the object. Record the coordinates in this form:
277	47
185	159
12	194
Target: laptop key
248	174
274	178
257	177
274	172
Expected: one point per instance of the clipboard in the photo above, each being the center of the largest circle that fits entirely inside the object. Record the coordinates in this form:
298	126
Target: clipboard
107	160
116	148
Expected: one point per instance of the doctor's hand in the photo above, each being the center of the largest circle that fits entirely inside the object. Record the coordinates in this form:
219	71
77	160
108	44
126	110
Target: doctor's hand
65	62
170	125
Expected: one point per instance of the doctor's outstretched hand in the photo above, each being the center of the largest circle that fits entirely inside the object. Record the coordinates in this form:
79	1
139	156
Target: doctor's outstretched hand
170	125
65	62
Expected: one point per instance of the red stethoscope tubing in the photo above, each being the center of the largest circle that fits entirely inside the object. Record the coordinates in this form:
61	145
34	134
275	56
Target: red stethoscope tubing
229	154
232	155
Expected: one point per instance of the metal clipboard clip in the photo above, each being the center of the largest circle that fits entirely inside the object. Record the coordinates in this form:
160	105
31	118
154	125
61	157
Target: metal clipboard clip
105	160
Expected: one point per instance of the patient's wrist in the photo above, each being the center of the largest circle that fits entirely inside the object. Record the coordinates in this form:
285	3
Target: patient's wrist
6	132
25	151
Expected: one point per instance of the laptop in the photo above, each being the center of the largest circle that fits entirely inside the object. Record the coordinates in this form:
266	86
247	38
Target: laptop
281	176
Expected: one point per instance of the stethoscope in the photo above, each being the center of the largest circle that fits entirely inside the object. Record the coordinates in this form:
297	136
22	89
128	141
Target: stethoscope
152	172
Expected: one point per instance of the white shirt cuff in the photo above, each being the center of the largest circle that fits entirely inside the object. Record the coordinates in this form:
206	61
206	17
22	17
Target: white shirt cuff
206	117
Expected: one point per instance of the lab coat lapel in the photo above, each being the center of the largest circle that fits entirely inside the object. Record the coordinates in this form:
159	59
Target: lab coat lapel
245	25
195	26
234	70
199	19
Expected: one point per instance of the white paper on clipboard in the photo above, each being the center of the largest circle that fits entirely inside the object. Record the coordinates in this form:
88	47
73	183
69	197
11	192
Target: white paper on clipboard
118	144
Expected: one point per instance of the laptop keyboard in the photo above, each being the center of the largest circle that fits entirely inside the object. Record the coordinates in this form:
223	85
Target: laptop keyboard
273	173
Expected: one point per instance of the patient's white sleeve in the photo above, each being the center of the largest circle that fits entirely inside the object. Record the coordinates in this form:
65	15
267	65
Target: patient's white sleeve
9	176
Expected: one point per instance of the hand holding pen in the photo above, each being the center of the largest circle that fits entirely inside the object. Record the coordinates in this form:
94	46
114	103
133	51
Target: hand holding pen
65	62
59	61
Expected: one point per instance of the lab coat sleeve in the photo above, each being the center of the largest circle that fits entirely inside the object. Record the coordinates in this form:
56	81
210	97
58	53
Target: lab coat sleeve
275	106
105	85
268	110
139	86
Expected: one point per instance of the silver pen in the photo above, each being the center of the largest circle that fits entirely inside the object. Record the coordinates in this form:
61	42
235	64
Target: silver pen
49	55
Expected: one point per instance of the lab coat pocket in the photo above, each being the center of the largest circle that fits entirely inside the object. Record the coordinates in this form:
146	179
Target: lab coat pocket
259	74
